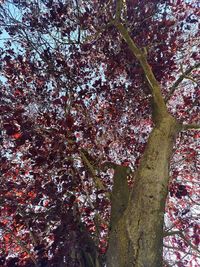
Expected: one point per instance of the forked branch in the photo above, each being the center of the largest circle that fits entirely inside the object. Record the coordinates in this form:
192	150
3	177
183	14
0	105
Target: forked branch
180	79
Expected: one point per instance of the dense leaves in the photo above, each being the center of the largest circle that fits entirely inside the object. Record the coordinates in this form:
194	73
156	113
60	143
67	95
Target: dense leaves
73	97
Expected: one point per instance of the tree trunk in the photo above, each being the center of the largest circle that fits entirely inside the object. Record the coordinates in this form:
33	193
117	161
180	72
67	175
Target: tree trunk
136	234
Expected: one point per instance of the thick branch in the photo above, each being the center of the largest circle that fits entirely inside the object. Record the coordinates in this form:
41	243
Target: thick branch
120	190
180	79
120	193
140	54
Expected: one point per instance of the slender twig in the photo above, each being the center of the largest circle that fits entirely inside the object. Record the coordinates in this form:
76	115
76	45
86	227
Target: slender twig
180	79
181	250
191	126
92	170
180	234
193	201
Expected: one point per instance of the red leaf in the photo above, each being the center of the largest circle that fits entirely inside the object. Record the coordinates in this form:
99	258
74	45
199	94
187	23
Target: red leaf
17	135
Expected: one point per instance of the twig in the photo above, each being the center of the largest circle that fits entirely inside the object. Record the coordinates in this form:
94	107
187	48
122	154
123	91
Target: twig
180	79
191	126
92	170
180	234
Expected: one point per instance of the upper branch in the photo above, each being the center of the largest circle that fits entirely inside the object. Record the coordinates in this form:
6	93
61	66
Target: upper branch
140	54
119	6
180	79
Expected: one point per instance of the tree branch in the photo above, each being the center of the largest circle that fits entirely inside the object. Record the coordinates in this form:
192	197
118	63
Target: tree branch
191	126
189	242
92	170
120	193
140	54
193	201
180	234
119	6
180	79
165	234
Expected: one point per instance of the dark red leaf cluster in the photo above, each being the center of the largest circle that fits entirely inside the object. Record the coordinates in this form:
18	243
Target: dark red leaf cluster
71	86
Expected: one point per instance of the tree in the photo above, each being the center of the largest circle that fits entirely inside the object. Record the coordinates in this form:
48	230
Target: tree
99	109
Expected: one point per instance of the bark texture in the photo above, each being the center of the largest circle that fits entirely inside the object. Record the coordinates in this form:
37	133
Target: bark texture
120	194
137	233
